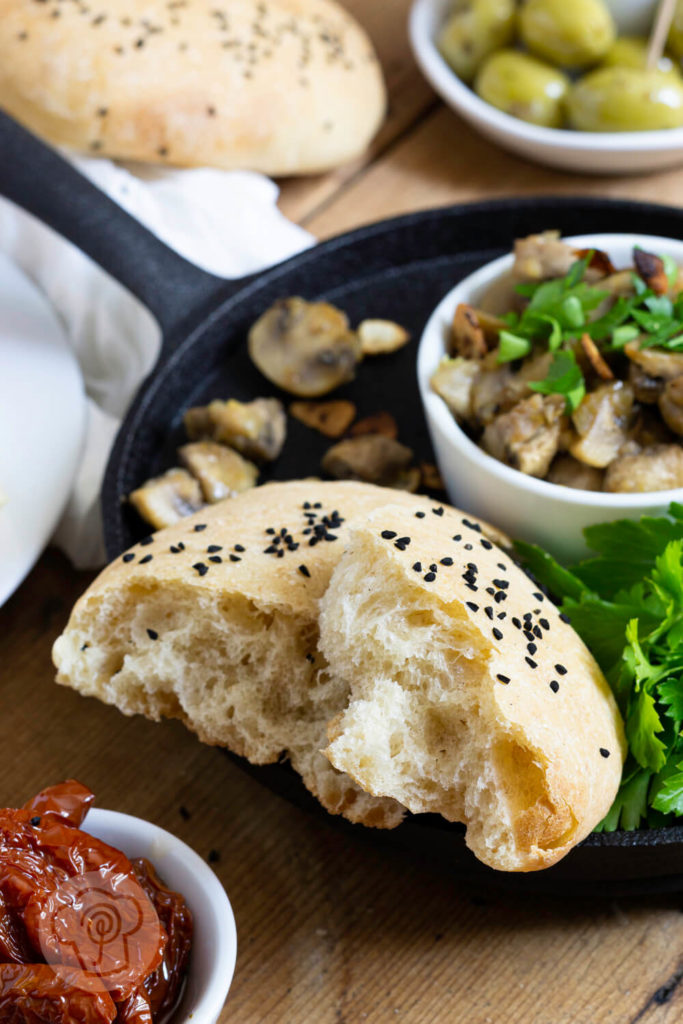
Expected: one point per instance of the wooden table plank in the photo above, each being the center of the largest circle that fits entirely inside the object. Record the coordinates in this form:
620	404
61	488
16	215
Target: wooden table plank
445	161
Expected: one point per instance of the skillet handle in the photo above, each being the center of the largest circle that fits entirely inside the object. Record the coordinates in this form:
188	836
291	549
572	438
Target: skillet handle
36	177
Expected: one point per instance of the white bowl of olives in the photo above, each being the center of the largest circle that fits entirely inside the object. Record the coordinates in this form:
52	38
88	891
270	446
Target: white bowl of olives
555	81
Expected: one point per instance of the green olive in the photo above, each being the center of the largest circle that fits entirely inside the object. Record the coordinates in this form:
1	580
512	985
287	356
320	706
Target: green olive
475	29
571	33
631	52
625	100
675	40
524	87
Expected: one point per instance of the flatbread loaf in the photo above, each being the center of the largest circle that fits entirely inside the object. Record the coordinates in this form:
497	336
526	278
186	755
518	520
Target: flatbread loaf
468	694
279	86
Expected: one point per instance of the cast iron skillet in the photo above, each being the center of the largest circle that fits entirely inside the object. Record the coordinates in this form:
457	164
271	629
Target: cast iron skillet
398	269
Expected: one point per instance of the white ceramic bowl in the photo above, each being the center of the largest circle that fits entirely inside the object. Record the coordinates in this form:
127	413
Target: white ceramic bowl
214	944
590	152
526	508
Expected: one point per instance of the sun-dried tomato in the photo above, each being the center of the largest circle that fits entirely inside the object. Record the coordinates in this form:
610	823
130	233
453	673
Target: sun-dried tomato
164	985
135	1009
42	994
14	945
69	800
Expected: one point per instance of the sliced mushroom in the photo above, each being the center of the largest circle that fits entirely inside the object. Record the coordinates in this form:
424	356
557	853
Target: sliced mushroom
378	423
568	472
648	429
595	358
658	468
599	262
656	362
527	436
380	337
330	418
539	257
602	422
671	405
453	380
221	472
306	348
645	388
164	500
651	269
372	458
488	390
467	334
256	429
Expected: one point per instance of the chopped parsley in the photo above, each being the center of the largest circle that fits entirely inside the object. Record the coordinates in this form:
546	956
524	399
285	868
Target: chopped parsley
626	603
560	311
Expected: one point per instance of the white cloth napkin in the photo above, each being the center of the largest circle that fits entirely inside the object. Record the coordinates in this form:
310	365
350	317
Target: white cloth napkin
226	222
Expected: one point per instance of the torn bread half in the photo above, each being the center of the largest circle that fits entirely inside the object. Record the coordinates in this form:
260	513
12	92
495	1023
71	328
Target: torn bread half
214	621
468	694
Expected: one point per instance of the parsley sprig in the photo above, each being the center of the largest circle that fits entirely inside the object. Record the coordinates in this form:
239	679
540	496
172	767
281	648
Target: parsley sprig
559	311
627	605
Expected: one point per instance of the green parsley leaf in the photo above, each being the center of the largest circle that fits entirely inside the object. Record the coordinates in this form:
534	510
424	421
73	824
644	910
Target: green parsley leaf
512	347
642	725
668	795
630	805
670	694
564	378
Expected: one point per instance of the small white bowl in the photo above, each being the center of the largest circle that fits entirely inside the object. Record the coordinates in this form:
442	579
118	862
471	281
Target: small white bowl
214	943
589	152
524	507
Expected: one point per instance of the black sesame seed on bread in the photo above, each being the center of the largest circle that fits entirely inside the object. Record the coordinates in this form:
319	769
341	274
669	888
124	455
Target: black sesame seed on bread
467	693
279	86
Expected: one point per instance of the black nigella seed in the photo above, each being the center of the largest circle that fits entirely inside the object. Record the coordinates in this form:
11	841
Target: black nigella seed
554	686
174	550
531	648
307	504
501	566
469	577
213	548
417	566
604	752
489	611
491	591
317	504
531	663
497	633
538	595
216	559
145	541
457	536
472	566
201	568
313	541
147	558
538	633
447	561
239	547
438	511
333	536
499	596
502	679
84	647
544	623
281	553
468	547
199	527
181	545
270	530
303	569
433	567
501	615
472	606
486	544
128	557
388	534
516	622
472	526
565	618
283	531
472	586
152	634
529	635
501	584
429	577
419	515
35	821
270	550
527	616
561	670
403	540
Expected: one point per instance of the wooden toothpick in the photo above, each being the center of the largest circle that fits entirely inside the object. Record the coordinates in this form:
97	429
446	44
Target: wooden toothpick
660	30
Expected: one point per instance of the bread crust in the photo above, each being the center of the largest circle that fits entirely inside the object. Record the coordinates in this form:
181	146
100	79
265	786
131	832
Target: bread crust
279	86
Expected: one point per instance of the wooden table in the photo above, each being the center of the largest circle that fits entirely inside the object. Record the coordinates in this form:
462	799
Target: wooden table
333	930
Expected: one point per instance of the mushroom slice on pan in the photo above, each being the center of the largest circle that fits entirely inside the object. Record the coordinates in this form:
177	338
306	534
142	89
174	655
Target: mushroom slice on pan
306	348
164	500
658	468
257	429
372	458
527	437
671	405
330	418
380	337
221	472
467	334
602	422
656	362
377	423
569	472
